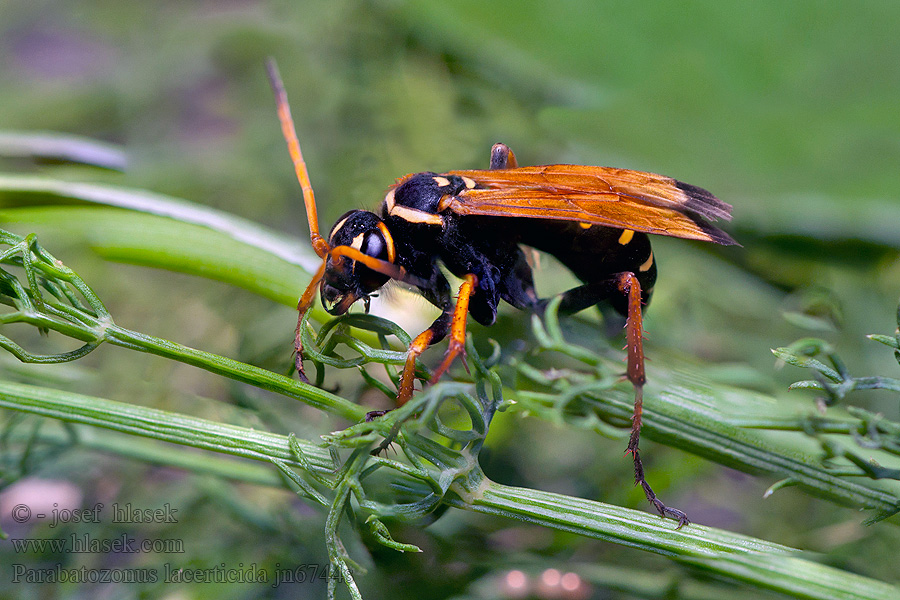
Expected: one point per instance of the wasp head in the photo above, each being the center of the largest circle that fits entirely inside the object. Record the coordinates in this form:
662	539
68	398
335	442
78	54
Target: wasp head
346	280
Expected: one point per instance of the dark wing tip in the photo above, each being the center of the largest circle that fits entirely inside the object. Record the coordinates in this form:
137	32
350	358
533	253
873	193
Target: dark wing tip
702	205
715	234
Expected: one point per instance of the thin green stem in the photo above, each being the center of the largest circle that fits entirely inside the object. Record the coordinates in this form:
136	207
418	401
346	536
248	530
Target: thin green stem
718	552
715	551
236	370
161	425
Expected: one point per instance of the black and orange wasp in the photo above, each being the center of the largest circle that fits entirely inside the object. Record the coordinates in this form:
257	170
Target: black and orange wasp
594	220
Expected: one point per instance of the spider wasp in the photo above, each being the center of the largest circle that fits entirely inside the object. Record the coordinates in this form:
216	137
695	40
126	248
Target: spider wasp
594	220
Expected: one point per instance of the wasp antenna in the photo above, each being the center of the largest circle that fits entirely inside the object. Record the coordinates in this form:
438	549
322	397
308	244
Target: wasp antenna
320	245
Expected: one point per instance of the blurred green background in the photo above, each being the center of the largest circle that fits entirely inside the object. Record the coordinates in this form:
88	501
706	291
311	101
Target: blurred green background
788	111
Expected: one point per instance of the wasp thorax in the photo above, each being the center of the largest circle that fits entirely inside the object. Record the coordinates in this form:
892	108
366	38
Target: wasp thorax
346	279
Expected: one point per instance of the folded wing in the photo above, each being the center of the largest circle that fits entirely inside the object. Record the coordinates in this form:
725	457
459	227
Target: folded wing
619	198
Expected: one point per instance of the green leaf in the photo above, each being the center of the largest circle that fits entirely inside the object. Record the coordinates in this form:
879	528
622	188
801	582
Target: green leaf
166	243
238	229
797	360
62	147
887	340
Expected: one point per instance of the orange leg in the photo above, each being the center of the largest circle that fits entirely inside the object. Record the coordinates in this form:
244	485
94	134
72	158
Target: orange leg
456	321
634	339
457	345
303	306
634	335
437	330
408	378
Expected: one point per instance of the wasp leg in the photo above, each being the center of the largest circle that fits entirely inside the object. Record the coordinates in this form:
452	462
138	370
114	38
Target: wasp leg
587	295
303	306
453	321
502	157
457	345
432	335
436	290
634	334
420	343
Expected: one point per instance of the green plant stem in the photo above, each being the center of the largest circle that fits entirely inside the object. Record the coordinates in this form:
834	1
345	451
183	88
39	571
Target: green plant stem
161	425
239	229
675	416
728	555
147	450
236	370
60	146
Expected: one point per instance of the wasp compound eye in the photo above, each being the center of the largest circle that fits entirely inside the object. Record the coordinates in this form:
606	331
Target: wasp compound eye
374	245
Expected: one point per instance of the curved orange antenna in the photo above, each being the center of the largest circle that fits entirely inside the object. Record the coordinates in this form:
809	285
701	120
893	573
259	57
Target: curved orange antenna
376	264
319	244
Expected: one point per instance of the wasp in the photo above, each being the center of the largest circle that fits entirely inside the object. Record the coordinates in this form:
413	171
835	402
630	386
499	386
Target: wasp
595	220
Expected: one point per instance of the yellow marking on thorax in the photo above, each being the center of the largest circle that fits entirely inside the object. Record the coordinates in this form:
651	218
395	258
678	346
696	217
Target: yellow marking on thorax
647	264
389	201
470	183
585	225
442	181
625	238
415	216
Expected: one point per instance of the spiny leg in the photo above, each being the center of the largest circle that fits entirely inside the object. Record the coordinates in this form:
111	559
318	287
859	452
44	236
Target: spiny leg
457	346
589	294
453	321
435	333
634	334
432	335
303	306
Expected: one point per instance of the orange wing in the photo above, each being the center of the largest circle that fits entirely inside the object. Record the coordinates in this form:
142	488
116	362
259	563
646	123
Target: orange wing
606	196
